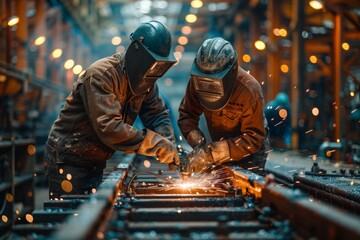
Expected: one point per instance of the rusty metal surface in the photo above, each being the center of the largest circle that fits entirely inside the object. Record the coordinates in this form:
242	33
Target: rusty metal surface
132	204
338	187
154	208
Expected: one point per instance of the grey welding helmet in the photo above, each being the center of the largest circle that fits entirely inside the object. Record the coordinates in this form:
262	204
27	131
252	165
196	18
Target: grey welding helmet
214	72
148	56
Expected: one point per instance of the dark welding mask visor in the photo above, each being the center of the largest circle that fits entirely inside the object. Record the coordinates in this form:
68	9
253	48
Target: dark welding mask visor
213	89
144	67
210	88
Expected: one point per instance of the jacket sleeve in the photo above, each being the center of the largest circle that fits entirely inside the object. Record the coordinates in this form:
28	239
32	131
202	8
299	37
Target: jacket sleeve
104	111
252	132
154	113
190	111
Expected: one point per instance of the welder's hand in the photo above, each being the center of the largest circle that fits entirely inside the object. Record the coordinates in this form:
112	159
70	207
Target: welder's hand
156	145
167	132
199	159
206	154
195	138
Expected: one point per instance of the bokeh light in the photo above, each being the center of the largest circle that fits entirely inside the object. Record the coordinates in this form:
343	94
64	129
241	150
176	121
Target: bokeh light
191	18
196	3
283	113
13	21
31	149
77	69
66	186
315	111
246	58
69	64
282	32
313	59
116	40
284	68
183	40
186	30
29	218
260	45
345	46
39	40
57	53
316	4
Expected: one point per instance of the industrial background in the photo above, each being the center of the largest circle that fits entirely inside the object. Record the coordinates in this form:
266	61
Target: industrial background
309	50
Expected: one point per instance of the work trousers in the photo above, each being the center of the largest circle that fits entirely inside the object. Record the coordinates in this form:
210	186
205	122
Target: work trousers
70	179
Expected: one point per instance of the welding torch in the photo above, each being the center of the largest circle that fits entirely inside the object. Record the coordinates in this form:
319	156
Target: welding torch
185	166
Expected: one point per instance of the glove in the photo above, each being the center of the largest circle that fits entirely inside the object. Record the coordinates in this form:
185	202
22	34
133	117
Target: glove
195	138
204	155
156	145
167	132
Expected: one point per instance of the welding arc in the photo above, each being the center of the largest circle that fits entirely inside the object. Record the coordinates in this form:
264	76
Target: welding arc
151	173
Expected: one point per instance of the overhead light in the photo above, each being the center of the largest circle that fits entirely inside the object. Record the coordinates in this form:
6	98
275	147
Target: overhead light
77	69
316	4
116	40
183	40
282	32
196	3
260	45
284	68
186	30
57	53
345	46
191	18
13	21
246	58
69	64
313	59
39	40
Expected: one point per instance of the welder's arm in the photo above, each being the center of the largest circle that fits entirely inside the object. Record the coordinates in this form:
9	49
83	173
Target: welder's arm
155	114
104	111
167	132
190	111
156	145
206	154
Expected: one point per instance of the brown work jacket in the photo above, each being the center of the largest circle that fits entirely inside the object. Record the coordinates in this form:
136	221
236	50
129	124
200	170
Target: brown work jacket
98	115
241	122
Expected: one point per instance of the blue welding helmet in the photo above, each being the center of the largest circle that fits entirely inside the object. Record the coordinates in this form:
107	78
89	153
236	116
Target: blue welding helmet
148	56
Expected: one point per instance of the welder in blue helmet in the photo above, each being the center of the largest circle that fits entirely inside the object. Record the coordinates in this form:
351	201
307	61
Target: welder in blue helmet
232	103
98	115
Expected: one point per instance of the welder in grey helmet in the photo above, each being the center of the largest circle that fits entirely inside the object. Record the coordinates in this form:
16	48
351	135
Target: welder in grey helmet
232	102
98	115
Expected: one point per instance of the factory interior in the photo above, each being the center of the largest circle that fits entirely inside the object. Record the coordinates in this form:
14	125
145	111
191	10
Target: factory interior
307	51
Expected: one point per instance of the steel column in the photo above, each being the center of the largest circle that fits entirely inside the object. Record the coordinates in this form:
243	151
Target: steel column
41	30
22	34
337	73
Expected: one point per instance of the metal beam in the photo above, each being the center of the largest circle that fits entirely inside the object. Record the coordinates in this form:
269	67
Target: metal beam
337	73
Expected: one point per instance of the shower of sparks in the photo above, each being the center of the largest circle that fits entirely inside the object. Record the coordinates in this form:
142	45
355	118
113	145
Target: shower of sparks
215	180
309	131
